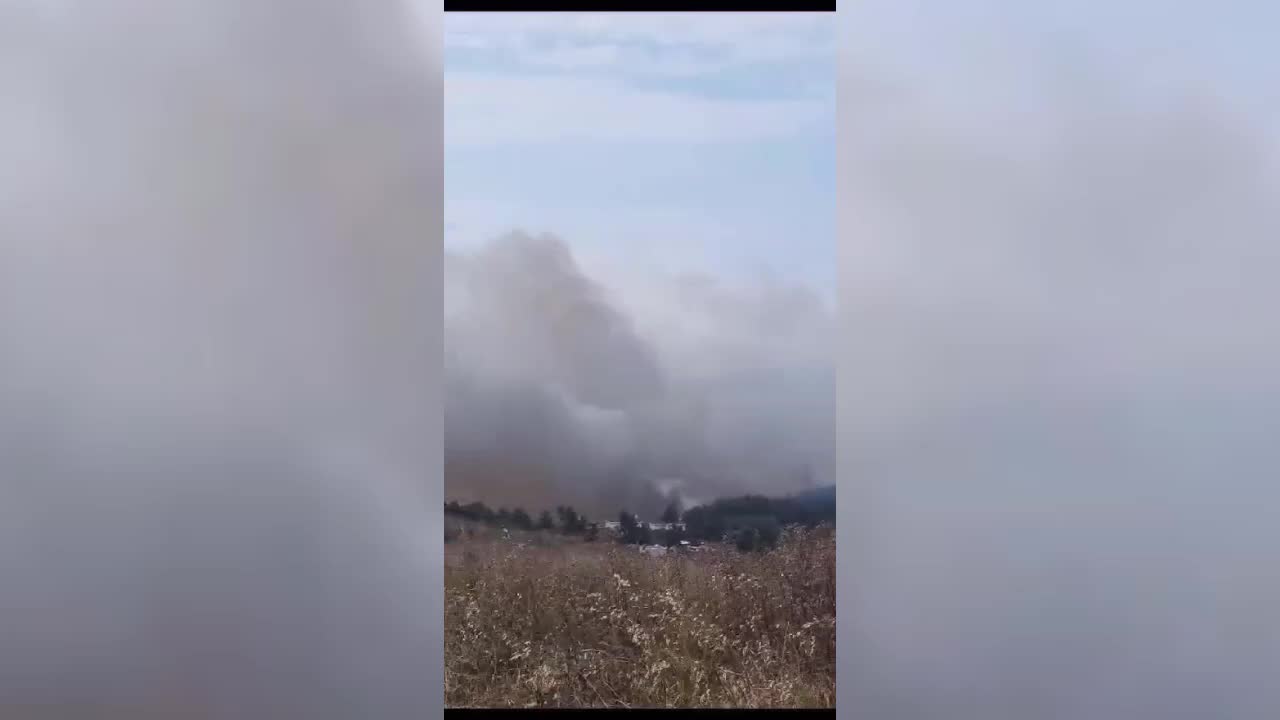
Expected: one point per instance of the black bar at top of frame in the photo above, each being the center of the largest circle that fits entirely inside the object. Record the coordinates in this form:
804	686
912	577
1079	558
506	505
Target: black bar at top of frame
639	5
689	713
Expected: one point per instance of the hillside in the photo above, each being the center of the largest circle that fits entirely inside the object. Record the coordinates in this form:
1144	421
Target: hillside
819	498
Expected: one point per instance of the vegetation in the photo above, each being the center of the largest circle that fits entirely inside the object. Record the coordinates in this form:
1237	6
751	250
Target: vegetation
550	620
752	522
755	522
570	521
632	531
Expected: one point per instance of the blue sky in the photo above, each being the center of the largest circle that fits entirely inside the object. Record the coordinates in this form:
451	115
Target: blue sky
671	143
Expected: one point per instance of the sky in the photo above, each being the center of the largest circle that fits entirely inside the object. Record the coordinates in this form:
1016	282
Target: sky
690	143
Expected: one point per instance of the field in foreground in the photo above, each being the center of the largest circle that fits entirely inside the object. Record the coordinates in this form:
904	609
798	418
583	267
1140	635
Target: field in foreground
576	624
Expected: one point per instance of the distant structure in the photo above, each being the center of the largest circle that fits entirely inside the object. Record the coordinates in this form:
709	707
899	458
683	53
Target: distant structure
667	526
687	547
616	526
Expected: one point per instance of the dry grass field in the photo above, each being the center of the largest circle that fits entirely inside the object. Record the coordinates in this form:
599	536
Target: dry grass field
543	620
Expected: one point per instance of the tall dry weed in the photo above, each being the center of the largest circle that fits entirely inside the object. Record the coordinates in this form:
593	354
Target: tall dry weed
596	624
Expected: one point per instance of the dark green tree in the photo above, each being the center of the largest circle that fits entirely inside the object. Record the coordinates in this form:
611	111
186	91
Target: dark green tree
634	532
477	511
521	519
671	514
628	530
571	522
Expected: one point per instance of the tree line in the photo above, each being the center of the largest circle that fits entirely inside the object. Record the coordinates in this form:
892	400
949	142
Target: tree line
749	521
566	518
754	521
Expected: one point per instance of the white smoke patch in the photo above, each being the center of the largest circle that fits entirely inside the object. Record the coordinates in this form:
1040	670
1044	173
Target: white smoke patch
594	386
675	490
217	295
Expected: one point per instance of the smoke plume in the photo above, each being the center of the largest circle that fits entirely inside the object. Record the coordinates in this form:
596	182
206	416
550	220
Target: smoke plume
627	392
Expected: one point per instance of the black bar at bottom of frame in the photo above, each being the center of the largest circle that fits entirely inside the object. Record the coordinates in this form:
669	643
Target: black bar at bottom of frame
639	6
656	713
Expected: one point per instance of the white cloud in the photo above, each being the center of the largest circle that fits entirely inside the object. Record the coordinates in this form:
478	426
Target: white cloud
486	109
591	56
661	44
557	77
668	28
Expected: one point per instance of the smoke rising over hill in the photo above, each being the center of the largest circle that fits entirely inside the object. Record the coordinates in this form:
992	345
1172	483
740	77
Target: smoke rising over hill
564	388
216	415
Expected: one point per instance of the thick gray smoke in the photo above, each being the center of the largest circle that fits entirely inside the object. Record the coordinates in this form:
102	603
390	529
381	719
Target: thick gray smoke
1058	392
219	258
626	392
